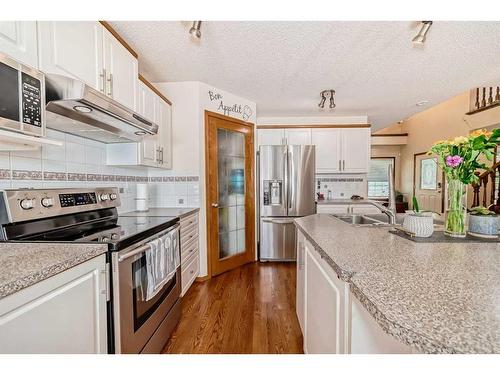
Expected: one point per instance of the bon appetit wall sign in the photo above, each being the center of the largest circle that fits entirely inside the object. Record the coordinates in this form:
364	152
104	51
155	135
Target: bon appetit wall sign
242	111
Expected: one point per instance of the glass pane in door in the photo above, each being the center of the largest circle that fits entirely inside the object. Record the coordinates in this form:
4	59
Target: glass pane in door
231	177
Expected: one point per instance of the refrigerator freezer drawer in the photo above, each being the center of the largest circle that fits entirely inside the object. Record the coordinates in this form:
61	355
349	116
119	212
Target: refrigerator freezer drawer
277	239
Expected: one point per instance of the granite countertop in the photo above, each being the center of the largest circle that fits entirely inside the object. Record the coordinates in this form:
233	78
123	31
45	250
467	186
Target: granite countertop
435	297
166	211
24	264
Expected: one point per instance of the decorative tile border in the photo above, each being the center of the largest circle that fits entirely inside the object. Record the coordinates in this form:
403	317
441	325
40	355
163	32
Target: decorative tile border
339	179
7	174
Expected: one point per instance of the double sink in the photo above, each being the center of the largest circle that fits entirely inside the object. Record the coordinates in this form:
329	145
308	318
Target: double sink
369	220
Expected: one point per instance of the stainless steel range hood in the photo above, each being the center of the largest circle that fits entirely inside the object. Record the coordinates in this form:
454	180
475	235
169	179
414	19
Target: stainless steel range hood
76	108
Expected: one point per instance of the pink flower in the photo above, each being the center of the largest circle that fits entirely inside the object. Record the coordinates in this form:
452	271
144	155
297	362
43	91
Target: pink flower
454	161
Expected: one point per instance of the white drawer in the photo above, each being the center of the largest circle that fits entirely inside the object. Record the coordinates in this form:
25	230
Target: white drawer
189	273
188	221
188	236
188	250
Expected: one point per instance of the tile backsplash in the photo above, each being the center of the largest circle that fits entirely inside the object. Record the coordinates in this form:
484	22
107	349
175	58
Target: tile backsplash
342	186
81	162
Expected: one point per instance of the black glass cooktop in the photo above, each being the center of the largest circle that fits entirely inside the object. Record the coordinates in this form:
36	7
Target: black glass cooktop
118	231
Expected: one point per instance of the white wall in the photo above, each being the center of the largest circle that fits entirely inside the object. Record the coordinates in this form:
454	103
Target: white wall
190	100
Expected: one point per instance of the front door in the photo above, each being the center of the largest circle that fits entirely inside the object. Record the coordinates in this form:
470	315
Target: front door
230	192
428	183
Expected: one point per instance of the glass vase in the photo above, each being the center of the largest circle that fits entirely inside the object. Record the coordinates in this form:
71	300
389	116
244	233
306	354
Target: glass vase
457	209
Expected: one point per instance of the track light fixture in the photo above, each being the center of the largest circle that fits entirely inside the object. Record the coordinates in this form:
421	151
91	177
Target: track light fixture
424	29
195	30
323	95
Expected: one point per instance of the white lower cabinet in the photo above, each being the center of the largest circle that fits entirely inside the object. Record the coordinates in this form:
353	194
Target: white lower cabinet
367	337
65	313
331	319
190	259
326	302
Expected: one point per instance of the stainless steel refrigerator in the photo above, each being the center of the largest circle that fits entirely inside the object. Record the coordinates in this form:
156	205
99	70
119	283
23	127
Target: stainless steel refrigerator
286	191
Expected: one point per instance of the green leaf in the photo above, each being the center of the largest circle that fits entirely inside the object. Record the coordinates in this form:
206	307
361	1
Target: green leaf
415	205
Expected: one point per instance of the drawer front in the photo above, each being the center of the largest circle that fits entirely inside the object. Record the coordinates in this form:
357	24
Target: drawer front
189	273
188	236
188	251
189	220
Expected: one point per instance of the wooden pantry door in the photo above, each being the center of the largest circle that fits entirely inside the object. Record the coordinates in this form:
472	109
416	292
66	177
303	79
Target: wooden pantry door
229	155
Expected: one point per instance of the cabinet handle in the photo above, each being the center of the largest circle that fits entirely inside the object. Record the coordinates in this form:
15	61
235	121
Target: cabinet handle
343	165
110	80
103	80
161	153
340	165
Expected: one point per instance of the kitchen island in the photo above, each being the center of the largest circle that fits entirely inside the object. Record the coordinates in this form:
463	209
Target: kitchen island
429	297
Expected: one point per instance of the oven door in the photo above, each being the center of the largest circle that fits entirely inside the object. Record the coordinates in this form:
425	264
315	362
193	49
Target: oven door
135	319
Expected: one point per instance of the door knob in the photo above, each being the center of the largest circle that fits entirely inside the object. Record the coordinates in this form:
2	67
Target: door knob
215	205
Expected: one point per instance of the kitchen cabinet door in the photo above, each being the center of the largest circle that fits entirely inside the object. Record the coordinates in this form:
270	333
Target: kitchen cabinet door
18	40
355	150
271	137
121	71
328	149
326	320
65	313
300	303
298	136
165	134
73	49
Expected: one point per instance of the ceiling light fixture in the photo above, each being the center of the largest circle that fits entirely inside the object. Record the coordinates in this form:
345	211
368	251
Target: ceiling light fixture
424	29
195	30
323	95
421	103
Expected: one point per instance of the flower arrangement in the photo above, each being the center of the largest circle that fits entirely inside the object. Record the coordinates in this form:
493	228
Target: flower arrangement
460	158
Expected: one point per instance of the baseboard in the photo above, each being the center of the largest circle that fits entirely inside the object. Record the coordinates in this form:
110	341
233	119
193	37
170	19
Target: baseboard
202	279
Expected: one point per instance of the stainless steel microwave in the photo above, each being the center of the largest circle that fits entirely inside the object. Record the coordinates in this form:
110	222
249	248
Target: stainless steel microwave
22	97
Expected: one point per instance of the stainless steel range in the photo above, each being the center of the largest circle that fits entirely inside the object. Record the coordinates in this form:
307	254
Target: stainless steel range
137	322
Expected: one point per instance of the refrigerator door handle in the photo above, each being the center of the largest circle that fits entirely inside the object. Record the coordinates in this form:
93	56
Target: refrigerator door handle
286	190
277	221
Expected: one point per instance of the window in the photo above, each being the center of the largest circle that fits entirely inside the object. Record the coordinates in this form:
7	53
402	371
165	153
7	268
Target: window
378	179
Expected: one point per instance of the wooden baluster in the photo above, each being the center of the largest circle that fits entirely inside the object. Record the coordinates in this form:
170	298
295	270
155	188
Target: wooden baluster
483	100
497	96
477	104
475	198
490	97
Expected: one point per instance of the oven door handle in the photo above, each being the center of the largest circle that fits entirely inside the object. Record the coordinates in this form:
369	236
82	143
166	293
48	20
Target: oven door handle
140	249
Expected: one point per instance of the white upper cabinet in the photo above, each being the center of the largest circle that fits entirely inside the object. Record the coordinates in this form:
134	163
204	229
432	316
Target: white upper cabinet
18	40
87	51
355	150
121	71
271	137
342	150
165	135
328	150
72	49
300	136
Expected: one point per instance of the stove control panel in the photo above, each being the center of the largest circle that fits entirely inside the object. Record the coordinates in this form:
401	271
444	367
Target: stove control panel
18	205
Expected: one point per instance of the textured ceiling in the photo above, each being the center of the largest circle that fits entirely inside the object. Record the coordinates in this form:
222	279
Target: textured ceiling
282	66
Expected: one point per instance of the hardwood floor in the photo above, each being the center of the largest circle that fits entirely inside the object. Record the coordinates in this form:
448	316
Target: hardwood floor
247	310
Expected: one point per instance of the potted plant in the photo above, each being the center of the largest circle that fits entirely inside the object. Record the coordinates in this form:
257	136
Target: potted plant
420	223
459	159
483	223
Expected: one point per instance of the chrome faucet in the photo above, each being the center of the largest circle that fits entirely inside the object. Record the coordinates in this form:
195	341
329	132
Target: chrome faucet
390	210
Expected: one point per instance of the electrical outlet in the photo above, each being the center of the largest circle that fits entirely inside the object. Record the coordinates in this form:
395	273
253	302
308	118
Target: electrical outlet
181	201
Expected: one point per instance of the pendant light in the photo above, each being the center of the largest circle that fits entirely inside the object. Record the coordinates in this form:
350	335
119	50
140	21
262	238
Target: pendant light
424	29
